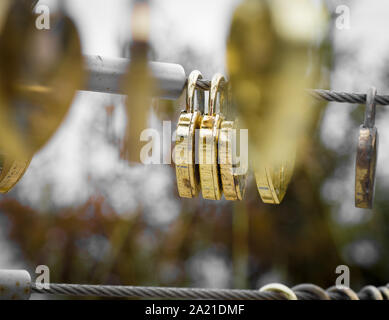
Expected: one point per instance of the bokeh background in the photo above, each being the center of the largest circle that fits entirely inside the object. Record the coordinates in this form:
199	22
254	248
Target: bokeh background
94	219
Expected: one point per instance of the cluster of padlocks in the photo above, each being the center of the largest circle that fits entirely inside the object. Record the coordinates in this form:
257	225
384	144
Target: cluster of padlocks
271	59
206	149
213	169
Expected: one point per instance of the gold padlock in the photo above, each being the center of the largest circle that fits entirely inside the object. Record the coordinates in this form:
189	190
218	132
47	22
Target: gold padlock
41	70
40	73
187	170
367	151
210	179
274	54
233	174
138	84
10	171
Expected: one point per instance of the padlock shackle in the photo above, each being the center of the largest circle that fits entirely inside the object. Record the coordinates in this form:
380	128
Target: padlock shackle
370	111
217	86
191	91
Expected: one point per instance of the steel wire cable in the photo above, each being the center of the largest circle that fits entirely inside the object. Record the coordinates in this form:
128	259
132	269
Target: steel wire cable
326	95
303	292
155	292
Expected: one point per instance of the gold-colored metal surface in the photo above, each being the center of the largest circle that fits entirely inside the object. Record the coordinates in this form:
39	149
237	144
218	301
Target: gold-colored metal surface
272	181
366	167
138	84
41	71
366	160
273	54
233	174
12	171
210	179
187	170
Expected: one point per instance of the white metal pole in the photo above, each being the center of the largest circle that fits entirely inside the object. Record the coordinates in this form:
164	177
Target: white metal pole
106	75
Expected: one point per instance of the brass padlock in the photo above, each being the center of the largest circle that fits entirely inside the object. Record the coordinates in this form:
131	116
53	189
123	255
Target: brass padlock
273	55
233	174
187	170
366	160
210	179
41	70
138	84
40	73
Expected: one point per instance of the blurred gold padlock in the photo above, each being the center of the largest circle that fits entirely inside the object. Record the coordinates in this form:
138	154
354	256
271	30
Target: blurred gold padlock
273	56
187	170
10	171
233	174
40	71
210	179
138	84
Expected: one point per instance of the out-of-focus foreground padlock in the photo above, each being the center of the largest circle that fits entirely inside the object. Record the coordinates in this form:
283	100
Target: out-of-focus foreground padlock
40	71
138	83
274	54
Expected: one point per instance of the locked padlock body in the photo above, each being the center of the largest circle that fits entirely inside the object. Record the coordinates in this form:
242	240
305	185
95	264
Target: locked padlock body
233	174
41	70
187	166
366	161
273	55
365	170
210	180
187	170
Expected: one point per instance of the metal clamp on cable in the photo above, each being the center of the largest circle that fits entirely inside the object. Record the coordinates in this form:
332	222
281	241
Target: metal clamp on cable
15	285
279	288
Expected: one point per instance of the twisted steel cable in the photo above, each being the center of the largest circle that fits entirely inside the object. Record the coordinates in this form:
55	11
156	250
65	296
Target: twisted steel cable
384	292
310	292
303	292
336	293
370	293
333	96
156	292
326	95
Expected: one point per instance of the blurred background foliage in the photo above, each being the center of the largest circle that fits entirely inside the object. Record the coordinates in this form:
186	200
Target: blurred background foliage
92	219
